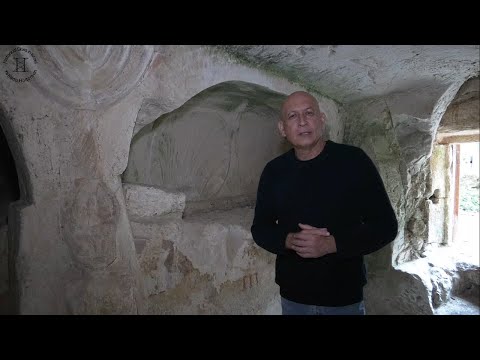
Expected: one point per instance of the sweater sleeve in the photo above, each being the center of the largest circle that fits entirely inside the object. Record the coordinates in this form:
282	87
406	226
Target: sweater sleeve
376	224
265	231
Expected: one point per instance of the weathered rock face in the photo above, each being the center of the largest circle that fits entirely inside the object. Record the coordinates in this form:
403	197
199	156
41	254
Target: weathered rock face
422	286
177	240
402	291
69	127
202	264
213	148
404	158
370	127
205	264
409	132
439	221
72	246
462	114
199	256
353	73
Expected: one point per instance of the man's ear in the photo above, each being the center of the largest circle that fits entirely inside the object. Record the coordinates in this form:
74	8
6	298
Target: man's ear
323	117
281	129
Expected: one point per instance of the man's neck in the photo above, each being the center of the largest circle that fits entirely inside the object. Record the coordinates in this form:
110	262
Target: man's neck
305	154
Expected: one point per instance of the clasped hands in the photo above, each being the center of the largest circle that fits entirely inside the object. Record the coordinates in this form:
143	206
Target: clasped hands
311	242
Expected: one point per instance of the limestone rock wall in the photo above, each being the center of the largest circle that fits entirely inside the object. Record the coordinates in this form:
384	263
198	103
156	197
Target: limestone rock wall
70	125
461	116
173	239
440	223
190	186
213	148
400	138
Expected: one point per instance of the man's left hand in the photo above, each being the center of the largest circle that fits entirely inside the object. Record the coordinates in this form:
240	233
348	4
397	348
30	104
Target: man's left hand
312	242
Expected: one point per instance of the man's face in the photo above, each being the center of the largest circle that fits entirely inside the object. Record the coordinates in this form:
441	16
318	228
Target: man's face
302	121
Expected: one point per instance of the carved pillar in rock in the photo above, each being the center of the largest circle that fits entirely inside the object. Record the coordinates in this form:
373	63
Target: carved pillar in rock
81	259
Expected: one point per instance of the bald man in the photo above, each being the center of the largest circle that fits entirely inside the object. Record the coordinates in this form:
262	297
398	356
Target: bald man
321	207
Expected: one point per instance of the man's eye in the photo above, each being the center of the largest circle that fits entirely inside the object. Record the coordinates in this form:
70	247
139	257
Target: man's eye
309	113
291	116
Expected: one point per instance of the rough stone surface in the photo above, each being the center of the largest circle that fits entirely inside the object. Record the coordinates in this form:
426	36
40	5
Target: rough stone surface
150	204
441	286
350	73
206	148
212	148
462	113
370	127
470	273
399	292
70	128
459	306
410	132
439	222
212	258
459	137
441	283
87	76
70	224
456	281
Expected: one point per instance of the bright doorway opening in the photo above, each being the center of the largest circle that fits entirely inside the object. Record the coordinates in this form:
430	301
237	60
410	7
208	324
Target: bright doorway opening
466	234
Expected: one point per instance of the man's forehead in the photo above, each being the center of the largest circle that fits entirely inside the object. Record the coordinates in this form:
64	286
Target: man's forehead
299	95
302	103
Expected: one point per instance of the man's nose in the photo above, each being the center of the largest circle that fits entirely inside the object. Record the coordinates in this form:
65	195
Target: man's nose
301	120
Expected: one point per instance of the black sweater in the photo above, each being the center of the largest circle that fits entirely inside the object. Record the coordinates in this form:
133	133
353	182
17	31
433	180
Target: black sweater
340	190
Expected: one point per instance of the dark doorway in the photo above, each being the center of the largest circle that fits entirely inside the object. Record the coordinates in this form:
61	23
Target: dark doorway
9	192
9	189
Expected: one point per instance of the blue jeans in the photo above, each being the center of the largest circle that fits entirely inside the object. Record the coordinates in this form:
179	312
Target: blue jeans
293	308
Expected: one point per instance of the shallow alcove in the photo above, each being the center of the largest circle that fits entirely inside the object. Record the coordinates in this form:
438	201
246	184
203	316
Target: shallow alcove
190	188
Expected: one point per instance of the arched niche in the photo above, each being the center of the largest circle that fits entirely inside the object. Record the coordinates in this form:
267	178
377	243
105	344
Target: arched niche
213	148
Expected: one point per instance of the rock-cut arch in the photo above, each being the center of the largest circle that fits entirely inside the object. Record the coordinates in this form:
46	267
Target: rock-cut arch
15	194
212	148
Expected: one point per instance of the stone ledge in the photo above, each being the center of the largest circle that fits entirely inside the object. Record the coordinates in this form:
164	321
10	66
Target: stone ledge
147	204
